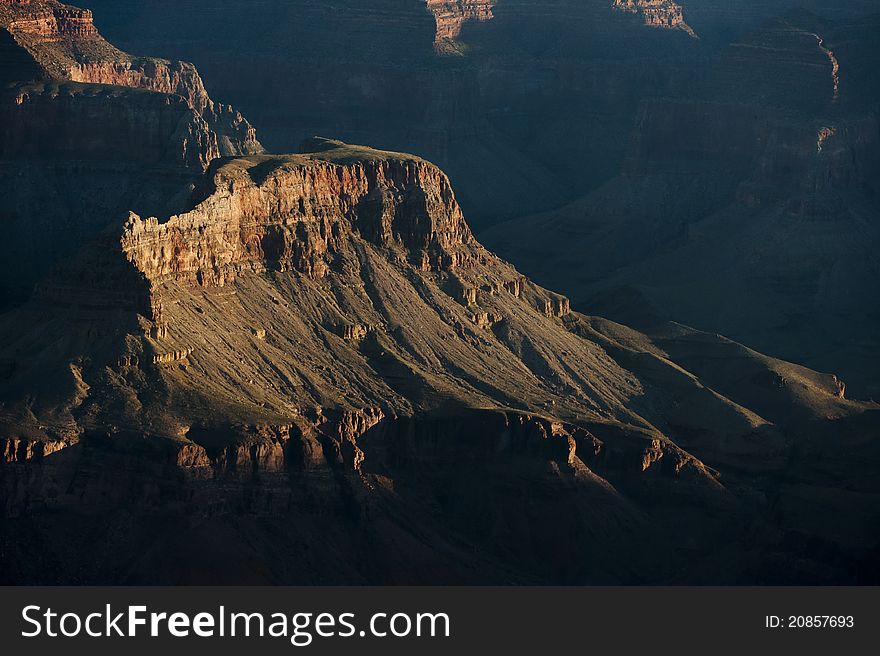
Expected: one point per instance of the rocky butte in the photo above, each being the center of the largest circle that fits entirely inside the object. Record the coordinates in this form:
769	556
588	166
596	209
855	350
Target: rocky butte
451	15
747	206
665	14
89	131
309	370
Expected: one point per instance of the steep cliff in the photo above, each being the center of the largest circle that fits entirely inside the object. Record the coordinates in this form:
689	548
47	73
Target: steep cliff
305	369
664	14
320	336
748	207
60	121
65	44
89	131
295	222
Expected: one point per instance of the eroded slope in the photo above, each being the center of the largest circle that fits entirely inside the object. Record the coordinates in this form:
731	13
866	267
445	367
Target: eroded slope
321	333
89	131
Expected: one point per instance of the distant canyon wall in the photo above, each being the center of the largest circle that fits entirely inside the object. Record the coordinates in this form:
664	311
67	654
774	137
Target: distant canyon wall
664	14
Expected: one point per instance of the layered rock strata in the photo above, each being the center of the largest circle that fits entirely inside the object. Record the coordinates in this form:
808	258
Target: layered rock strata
320	336
89	131
64	43
451	15
664	14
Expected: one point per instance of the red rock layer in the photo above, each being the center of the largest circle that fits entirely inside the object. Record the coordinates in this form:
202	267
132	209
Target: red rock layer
50	20
656	13
451	15
299	214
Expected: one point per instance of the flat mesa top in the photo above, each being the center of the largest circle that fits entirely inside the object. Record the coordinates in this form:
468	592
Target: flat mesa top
317	149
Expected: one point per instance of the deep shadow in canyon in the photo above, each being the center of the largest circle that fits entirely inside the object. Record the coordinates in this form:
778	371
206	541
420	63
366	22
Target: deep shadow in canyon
224	365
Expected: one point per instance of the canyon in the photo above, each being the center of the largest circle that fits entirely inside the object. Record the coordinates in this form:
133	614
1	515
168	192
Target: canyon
542	116
305	368
747	207
656	13
394	76
528	107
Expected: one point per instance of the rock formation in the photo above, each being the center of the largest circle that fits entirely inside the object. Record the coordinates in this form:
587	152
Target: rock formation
294	222
451	15
192	372
306	369
89	130
664	14
64	43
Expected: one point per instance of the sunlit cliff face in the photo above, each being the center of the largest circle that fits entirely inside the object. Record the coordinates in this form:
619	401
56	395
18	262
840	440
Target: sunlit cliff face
451	15
305	368
664	14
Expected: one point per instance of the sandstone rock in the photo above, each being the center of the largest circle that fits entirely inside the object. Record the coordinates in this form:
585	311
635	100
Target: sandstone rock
353	332
451	15
485	320
64	43
91	132
173	357
664	14
291	213
556	306
23	450
470	436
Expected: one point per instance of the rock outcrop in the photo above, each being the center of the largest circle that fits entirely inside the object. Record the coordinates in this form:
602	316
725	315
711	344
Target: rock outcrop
306	369
90	131
64	43
451	15
747	207
46	20
665	14
291	213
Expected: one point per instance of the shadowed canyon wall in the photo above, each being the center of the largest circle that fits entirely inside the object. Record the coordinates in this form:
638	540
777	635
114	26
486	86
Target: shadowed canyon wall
90	132
748	206
305	368
535	104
